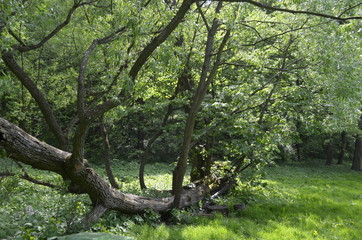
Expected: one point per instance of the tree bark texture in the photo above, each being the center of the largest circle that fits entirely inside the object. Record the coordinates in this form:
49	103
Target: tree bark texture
206	78
29	150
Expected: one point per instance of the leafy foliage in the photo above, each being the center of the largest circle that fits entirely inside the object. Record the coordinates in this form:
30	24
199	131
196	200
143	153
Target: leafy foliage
280	92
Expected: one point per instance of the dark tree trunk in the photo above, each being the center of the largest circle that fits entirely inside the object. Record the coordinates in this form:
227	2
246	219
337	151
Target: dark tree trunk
356	163
29	150
197	164
209	156
206	78
299	151
329	149
107	156
201	162
342	147
141	172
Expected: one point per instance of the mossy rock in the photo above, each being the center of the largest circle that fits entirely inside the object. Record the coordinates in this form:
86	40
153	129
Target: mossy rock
91	236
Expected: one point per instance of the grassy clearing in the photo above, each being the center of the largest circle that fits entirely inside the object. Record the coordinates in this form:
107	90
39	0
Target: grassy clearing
315	202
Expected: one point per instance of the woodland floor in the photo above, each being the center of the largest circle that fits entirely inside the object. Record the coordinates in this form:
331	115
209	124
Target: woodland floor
292	202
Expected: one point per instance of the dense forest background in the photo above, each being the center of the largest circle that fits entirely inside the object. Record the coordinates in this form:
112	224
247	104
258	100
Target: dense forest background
215	89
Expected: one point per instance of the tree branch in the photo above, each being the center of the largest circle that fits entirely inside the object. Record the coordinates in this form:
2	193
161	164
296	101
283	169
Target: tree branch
29	150
107	155
150	48
25	176
98	110
83	66
22	48
350	8
265	6
205	80
76	5
17	38
43	104
203	16
25	148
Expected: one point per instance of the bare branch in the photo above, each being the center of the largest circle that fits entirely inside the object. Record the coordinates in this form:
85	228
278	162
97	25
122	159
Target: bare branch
83	66
218	57
203	16
27	149
25	176
150	48
350	8
107	155
22	48
253	28
283	33
17	38
265	6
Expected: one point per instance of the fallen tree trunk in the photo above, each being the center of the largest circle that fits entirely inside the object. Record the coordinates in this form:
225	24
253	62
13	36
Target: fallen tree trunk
25	148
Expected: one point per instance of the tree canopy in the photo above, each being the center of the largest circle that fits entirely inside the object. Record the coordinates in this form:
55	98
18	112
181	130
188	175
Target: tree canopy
209	83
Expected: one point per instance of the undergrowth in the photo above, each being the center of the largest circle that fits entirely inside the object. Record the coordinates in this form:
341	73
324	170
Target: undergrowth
291	202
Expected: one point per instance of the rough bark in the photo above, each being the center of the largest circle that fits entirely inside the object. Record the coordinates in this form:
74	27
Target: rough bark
206	78
29	150
94	215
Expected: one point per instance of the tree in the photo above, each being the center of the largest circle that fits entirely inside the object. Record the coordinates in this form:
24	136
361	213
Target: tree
118	57
343	144
357	156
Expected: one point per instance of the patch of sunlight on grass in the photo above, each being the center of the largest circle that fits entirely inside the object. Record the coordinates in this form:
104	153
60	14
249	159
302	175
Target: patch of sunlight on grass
277	231
217	232
160	182
150	233
298	202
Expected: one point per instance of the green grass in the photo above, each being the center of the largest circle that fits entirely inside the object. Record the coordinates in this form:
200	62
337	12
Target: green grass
315	202
298	203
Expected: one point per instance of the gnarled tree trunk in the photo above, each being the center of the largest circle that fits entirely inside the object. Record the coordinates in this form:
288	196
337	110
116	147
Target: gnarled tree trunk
29	150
